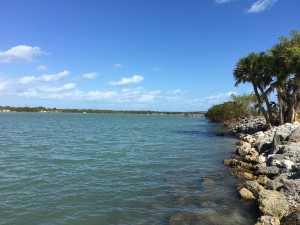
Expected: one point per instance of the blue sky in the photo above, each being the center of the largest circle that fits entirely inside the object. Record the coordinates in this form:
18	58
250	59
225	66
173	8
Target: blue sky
168	55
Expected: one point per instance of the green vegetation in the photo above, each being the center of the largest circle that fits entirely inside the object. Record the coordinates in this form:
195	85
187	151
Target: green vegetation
55	110
276	70
230	112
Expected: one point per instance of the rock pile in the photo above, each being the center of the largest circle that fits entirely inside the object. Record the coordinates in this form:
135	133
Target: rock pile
269	161
250	125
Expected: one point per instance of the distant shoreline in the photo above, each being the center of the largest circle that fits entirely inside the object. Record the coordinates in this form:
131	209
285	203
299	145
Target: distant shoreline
56	110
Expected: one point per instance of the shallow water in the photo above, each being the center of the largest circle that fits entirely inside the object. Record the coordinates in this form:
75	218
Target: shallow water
96	169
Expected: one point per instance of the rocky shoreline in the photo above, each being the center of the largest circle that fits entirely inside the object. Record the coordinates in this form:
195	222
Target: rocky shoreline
268	161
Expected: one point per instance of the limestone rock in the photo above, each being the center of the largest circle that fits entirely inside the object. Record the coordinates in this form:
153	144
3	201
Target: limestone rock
292	219
254	187
267	220
244	148
234	163
273	203
244	175
295	135
270	170
262	179
208	181
246	194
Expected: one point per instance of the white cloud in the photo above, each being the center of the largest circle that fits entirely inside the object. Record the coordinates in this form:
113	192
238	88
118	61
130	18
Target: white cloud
127	80
44	78
223	1
89	75
20	53
260	6
67	86
102	95
3	86
117	66
42	67
220	96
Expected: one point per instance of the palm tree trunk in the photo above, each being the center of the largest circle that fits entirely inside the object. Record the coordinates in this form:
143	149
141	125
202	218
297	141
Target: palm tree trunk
269	108
262	109
293	106
280	107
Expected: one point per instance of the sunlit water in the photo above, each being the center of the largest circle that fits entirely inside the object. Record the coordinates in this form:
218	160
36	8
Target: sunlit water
95	169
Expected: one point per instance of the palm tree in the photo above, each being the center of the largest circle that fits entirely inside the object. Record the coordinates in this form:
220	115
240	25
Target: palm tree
286	71
255	69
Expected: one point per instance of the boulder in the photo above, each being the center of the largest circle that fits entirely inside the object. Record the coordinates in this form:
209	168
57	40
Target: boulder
234	163
267	220
261	159
272	203
292	219
295	135
246	194
244	175
269	171
277	140
281	161
262	179
254	187
249	139
244	148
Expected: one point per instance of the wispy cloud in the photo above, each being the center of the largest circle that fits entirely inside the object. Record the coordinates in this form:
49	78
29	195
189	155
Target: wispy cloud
20	53
220	96
127	80
89	75
257	7
261	5
117	66
42	68
43	78
223	1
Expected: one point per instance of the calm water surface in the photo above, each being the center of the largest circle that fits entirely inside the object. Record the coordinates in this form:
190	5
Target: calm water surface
102	169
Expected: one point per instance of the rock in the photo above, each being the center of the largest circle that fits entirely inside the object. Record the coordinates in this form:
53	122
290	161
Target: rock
290	188
234	163
262	179
267	220
284	163
292	219
273	203
246	194
261	159
273	185
264	147
244	175
254	187
181	219
208	181
260	165
295	135
243	149
277	140
241	185
269	171
249	139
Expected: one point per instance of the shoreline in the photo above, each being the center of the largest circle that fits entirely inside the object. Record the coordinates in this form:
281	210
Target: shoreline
269	163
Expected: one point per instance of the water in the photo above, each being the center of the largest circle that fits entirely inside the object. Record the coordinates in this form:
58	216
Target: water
107	169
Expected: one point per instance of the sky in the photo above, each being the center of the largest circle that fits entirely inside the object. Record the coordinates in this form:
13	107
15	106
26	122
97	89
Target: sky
165	55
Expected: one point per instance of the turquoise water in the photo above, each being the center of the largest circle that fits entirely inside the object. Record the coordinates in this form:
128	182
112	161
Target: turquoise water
96	169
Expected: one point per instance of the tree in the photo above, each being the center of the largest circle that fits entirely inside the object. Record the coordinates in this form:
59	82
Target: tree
255	69
286	76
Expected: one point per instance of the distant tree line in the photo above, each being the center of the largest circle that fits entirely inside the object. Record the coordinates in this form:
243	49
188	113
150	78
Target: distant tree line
276	70
55	110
